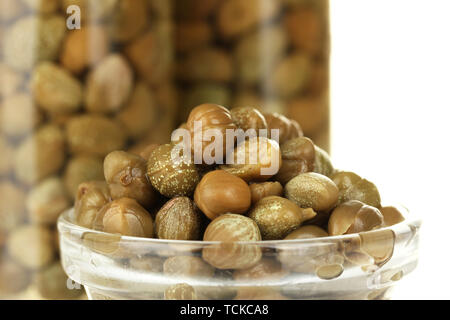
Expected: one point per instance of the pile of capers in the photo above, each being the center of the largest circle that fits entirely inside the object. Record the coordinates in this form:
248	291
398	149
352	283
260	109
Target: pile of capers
152	195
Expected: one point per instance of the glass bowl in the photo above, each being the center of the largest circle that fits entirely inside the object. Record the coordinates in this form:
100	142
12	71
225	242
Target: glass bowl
356	266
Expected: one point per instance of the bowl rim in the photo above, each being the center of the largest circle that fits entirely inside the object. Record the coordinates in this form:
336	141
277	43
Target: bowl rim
400	228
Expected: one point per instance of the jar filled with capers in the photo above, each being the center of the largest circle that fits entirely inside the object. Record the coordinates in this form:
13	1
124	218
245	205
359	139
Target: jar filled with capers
270	54
78	80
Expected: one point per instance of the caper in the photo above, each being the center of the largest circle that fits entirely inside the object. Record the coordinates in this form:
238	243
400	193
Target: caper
322	162
247	118
392	215
354	217
52	283
126	217
90	198
353	187
40	155
171	178
109	85
254	160
298	156
125	174
32	246
13	277
47	200
187	266
265	189
94	135
12	207
312	190
179	219
80	169
276	217
180	291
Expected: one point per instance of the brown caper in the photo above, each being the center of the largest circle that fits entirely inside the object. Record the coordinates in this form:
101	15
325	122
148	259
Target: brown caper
312	190
287	129
14	107
125	174
276	217
324	261
220	192
12	207
128	19
55	89
247	118
179	219
259	293
33	39
6	161
307	232
180	291
171	177
140	113
298	156
265	269
32	246
254	160
47	200
109	85
392	215
187	266
353	187
90	198
209	117
265	189
125	216
227	254
147	151
371	249
80	169
13	277
52	283
147	264
94	134
354	217
40	155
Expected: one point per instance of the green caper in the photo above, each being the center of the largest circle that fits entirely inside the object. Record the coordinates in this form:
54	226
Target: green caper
322	162
276	217
171	178
312	190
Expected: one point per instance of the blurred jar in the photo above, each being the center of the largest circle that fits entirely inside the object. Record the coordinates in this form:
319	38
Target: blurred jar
272	54
124	80
70	93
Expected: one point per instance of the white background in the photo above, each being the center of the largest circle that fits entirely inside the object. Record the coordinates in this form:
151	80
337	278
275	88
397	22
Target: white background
391	124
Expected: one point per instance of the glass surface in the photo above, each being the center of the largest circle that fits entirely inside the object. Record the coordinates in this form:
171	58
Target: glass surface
357	266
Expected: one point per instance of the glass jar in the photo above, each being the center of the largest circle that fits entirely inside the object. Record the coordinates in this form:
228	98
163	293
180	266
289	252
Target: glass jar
78	79
272	54
363	266
81	78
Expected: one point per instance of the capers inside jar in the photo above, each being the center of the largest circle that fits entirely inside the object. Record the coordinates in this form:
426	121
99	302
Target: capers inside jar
222	202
